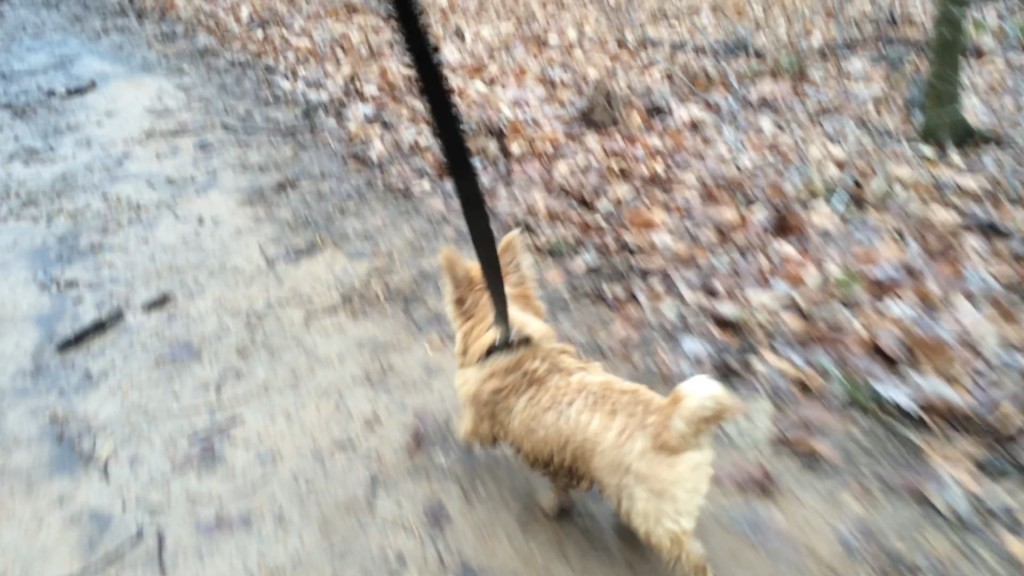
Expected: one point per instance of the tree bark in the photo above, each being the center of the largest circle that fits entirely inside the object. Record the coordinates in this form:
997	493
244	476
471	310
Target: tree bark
944	123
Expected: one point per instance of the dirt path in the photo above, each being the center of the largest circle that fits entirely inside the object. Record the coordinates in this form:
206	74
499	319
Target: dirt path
289	410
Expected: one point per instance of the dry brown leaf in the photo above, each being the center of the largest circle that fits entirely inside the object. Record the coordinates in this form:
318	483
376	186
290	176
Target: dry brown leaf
1008	419
888	341
806	445
645	218
933	349
805	377
946	459
753	477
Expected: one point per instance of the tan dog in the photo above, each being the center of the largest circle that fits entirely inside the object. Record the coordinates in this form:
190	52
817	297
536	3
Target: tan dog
649	455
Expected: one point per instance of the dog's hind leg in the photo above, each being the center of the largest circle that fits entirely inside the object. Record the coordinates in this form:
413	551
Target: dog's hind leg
686	556
471	431
683	553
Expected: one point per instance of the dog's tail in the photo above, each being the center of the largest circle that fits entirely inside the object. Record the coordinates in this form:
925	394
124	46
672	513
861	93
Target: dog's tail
692	410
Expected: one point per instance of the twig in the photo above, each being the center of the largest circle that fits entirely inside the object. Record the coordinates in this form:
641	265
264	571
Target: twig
737	48
73	90
104	561
677	75
157	302
80	89
91	330
161	546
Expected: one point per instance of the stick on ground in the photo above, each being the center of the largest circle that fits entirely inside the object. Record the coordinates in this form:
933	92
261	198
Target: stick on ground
157	302
91	330
103	562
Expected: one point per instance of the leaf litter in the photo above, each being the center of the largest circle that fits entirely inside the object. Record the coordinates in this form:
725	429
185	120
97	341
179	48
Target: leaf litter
742	179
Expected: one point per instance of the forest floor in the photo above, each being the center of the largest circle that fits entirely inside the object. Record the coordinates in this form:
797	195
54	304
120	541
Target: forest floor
736	189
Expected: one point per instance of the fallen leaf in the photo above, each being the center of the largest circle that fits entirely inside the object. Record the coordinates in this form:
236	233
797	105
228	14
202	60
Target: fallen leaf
806	445
754	477
889	342
803	376
645	218
933	348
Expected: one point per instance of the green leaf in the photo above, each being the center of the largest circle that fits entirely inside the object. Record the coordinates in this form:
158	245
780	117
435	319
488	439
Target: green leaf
978	26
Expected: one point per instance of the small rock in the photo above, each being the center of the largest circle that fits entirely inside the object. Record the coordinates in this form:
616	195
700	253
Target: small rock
788	223
417	436
942	216
181	352
1017	248
604	107
767	299
896	394
998	466
995	503
766	530
951	500
928	152
437	515
984	334
838	201
657	105
727	314
695	348
862	543
203	145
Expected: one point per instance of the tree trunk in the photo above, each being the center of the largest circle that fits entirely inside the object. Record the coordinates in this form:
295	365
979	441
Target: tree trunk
944	123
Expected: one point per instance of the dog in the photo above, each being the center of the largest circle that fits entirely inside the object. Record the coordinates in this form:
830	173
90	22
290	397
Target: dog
649	455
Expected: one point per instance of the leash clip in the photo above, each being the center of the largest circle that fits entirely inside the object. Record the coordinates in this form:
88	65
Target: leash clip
506	340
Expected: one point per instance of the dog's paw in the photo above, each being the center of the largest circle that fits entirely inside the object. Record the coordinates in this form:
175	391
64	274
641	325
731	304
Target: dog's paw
694	561
466	432
554	503
472	431
701	570
626	534
694	569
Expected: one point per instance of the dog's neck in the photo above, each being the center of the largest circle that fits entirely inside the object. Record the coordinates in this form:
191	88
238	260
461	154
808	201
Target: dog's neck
500	347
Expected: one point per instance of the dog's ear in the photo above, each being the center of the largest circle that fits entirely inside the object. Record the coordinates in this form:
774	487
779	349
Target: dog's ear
520	277
515	265
459	281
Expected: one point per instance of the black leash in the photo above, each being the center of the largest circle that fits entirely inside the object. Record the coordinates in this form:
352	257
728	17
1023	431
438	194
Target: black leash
453	143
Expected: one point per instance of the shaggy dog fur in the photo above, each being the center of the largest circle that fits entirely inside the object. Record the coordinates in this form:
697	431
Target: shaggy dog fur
649	455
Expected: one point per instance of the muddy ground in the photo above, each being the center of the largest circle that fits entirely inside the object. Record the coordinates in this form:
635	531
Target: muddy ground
288	409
